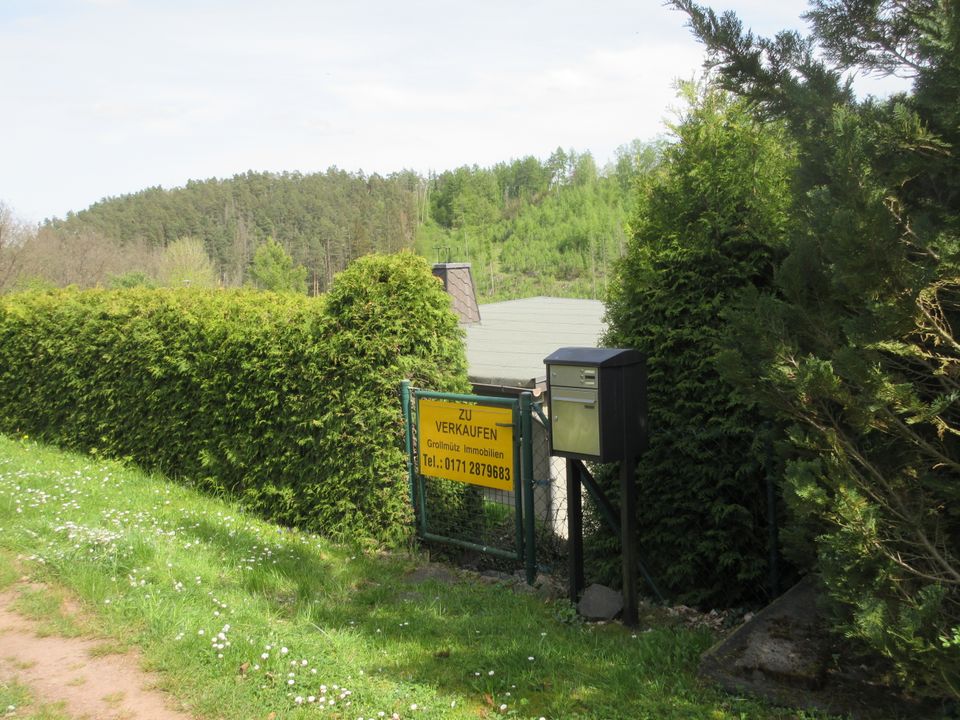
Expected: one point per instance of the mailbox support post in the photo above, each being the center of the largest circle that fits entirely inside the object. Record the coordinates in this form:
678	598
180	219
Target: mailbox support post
575	529
629	539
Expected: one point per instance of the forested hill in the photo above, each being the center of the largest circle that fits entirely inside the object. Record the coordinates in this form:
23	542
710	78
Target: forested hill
323	220
536	228
529	226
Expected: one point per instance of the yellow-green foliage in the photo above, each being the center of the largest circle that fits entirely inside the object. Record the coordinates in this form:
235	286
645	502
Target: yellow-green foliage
288	402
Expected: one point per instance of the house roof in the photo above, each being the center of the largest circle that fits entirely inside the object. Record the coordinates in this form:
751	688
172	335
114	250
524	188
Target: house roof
513	337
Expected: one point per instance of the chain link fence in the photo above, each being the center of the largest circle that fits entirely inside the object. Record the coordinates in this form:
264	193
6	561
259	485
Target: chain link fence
485	517
485	524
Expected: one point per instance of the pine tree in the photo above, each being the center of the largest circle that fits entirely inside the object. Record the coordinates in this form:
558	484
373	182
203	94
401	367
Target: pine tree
855	347
273	269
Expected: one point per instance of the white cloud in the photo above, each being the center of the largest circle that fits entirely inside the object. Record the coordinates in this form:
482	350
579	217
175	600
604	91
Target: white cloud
106	97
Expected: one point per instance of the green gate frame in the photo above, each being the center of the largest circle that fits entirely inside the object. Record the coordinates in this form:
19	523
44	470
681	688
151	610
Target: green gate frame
522	408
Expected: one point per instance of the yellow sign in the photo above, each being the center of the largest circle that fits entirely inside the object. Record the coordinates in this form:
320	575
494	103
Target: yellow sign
466	442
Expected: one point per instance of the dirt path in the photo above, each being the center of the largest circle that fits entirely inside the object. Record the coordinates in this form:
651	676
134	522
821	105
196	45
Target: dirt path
66	671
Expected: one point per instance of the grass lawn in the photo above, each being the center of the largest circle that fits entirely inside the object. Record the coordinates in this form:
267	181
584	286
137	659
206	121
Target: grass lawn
244	619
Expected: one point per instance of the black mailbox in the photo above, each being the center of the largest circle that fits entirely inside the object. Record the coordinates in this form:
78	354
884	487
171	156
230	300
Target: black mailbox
597	403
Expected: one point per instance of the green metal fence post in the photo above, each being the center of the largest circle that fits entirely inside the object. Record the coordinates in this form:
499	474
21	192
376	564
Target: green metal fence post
408	432
526	459
518	483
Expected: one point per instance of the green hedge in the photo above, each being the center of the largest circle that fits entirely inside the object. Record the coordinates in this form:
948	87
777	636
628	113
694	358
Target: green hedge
287	402
709	225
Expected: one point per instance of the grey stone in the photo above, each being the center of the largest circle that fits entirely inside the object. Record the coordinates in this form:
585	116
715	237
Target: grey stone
791	660
548	588
600	603
783	654
780	643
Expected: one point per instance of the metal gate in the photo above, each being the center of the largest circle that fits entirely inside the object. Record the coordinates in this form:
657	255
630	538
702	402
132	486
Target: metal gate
470	464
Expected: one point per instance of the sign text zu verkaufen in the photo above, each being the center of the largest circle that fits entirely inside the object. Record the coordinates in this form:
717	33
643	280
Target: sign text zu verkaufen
465	442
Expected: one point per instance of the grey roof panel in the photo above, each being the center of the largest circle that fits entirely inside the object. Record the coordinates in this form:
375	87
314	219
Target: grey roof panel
513	337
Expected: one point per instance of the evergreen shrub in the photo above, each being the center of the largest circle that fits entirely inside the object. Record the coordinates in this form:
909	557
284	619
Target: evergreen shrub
856	344
288	403
709	224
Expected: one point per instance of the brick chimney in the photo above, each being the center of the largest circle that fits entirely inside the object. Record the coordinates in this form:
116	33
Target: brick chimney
458	281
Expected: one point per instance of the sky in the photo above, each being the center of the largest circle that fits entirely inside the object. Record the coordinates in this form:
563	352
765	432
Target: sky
100	98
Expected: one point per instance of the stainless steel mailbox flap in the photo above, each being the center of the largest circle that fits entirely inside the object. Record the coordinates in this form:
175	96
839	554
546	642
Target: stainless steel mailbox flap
573	376
576	427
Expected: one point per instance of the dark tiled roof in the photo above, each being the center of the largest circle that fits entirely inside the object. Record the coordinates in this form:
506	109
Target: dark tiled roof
458	282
